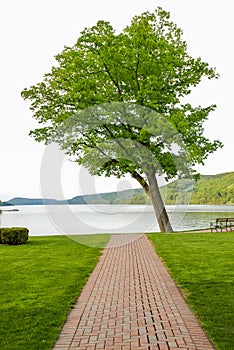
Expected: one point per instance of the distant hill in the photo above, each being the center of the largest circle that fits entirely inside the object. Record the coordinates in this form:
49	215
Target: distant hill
33	201
106	198
101	198
5	204
214	189
210	189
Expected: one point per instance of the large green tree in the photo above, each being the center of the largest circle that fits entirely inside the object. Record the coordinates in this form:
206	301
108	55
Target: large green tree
113	102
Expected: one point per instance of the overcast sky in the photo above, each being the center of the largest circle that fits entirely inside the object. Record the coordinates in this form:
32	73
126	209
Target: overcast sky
33	32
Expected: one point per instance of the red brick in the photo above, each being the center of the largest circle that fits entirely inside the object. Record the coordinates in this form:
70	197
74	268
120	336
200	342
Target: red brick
130	302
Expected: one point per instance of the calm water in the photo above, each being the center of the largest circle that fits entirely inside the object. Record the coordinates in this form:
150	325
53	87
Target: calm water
80	219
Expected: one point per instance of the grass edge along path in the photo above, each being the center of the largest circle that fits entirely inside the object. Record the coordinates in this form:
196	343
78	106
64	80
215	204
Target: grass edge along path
202	266
40	282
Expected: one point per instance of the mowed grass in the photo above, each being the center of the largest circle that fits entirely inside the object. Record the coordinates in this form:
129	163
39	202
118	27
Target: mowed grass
202	264
40	281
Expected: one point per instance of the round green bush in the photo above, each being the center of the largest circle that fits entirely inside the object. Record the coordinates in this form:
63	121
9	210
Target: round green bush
13	235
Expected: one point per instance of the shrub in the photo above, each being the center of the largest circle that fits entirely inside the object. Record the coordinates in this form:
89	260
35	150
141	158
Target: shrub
13	235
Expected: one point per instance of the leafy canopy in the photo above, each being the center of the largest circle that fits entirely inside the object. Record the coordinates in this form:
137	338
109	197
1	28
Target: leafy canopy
142	73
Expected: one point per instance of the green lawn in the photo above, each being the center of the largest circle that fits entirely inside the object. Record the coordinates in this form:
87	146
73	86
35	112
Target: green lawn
203	266
40	281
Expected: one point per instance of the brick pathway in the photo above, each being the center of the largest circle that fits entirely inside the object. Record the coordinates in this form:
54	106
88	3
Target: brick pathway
131	302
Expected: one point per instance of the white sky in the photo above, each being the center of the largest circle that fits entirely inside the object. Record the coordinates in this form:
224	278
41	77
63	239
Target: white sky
33	32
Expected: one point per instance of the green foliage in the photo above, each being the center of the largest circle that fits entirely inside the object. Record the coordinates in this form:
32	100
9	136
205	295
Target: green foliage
113	102
40	282
218	189
202	266
208	189
13	235
147	64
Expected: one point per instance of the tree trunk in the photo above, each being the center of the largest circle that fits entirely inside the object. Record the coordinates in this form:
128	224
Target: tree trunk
157	202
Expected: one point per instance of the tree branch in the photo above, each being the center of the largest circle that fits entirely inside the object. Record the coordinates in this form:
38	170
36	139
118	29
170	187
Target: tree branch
141	181
110	75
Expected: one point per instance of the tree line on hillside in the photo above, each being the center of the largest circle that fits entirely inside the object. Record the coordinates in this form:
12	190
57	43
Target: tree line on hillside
213	189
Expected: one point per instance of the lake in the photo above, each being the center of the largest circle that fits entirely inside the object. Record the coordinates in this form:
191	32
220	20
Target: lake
88	219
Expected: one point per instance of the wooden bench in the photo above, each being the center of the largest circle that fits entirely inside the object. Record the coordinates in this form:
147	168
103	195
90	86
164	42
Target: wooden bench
222	224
